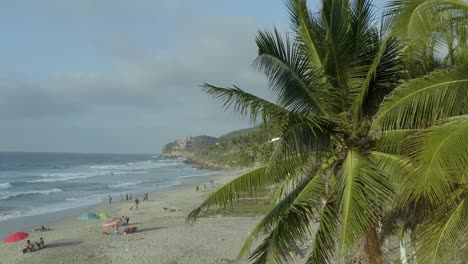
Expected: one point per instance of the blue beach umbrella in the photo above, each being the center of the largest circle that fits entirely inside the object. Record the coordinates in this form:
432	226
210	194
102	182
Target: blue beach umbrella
88	216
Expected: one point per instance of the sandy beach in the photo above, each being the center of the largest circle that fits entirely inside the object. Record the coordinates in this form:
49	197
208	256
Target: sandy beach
162	236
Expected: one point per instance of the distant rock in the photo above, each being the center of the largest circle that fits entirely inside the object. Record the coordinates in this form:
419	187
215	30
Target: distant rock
186	147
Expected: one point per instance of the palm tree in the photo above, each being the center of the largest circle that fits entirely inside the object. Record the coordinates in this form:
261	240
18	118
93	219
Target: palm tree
374	132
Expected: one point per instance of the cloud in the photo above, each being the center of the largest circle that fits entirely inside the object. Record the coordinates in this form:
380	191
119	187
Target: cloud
147	94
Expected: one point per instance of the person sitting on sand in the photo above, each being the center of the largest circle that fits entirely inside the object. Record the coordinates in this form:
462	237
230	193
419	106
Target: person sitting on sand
29	246
42	229
42	242
116	230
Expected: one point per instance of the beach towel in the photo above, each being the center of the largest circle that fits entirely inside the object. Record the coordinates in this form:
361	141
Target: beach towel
129	230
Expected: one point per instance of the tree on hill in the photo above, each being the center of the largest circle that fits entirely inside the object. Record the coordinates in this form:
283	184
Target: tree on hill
374	133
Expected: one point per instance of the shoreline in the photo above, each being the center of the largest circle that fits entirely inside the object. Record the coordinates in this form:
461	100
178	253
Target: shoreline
161	234
26	221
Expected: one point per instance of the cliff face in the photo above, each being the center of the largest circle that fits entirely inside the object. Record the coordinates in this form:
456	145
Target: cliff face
235	150
187	146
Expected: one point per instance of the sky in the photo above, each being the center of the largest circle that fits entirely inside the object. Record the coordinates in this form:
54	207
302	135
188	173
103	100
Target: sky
123	76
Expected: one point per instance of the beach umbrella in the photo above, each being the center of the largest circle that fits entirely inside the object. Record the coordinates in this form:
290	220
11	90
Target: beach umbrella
103	216
87	216
15	237
111	222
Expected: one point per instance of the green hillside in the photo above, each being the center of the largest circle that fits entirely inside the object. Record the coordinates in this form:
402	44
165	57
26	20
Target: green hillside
238	149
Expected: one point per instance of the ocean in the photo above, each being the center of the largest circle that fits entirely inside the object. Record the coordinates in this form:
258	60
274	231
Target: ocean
33	184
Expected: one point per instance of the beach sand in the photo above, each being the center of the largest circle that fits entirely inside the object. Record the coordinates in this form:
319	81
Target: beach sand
162	236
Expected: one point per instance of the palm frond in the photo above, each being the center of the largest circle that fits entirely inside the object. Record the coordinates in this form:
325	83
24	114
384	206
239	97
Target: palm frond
417	18
381	77
391	141
441	153
302	137
244	103
397	168
335	16
308	32
444	239
419	102
248	185
248	182
362	19
325	237
286	187
362	190
288	222
289	75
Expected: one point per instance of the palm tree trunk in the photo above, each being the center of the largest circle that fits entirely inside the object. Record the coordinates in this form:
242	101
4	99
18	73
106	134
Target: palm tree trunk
372	247
403	252
403	258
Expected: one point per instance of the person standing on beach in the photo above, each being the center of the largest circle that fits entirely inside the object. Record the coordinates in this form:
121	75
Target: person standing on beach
136	203
130	196
126	197
110	199
198	188
121	197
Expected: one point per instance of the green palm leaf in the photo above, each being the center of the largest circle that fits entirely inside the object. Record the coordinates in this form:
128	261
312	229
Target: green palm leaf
362	191
397	169
289	77
441	153
248	182
339	44
382	75
419	102
325	237
248	185
288	222
419	17
391	141
308	31
245	103
444	239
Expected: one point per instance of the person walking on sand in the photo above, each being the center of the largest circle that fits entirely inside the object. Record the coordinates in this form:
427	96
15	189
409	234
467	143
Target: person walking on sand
110	199
136	203
126	197
130	196
121	197
198	188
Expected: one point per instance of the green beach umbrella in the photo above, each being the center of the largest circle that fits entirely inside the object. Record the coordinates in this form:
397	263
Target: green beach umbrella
103	216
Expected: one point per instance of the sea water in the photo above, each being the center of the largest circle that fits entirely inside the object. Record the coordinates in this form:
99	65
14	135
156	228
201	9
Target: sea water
43	183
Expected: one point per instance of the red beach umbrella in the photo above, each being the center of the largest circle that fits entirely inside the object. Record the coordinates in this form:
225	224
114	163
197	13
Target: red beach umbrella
15	237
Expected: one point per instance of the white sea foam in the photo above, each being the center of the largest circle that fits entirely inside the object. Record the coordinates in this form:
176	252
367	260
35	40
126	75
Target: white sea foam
123	185
139	167
5	185
197	175
16	194
66	176
69	204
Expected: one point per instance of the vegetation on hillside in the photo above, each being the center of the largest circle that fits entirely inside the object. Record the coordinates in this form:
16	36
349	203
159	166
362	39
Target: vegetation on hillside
373	127
238	149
